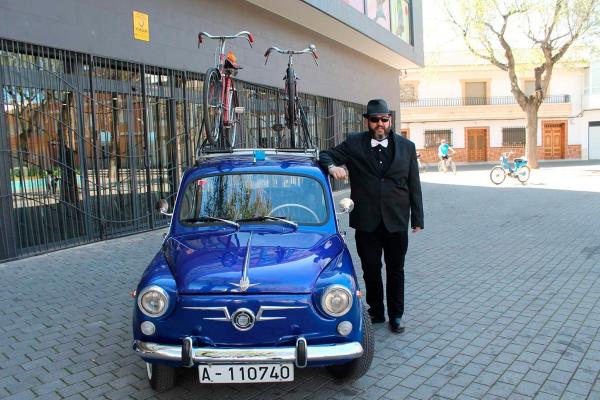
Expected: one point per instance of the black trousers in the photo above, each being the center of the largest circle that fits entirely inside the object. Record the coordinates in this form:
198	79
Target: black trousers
370	246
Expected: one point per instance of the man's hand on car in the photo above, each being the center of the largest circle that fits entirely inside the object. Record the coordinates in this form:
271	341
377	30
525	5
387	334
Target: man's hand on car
338	173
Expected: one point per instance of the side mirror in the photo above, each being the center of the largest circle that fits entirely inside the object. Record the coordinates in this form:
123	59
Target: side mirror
346	205
163	207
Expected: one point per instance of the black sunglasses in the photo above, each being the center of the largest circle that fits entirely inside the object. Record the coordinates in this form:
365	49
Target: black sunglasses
377	119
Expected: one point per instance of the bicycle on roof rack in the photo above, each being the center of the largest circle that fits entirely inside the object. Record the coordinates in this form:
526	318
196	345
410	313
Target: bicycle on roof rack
220	101
295	115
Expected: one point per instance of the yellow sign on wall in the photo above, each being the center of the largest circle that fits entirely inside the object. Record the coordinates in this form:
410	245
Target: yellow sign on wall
141	26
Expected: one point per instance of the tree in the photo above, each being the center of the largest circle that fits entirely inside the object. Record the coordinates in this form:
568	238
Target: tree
492	28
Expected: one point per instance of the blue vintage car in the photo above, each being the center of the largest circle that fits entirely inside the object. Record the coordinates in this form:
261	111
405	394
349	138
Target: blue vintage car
253	278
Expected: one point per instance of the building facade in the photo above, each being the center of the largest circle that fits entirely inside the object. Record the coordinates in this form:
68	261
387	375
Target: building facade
471	106
101	106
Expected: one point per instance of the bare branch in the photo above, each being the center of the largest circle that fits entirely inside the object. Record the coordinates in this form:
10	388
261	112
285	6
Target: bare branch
557	9
508	53
490	57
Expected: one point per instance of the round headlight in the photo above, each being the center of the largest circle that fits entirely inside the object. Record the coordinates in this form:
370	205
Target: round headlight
336	300
153	301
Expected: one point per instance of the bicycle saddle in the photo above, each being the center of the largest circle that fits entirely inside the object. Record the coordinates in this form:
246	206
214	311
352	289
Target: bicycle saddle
231	65
520	159
231	61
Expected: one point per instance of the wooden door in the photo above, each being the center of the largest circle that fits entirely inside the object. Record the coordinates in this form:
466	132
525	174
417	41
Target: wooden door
405	133
553	139
477	144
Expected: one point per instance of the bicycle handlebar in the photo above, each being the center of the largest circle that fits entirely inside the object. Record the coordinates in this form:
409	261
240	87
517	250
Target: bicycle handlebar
244	34
312	49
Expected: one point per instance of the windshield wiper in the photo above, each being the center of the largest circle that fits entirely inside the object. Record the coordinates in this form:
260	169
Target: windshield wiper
205	218
269	217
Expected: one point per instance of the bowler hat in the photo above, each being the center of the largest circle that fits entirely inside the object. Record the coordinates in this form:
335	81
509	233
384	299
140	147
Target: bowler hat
376	106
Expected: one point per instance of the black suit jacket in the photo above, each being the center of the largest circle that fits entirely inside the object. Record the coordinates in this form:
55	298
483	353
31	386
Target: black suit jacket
392	198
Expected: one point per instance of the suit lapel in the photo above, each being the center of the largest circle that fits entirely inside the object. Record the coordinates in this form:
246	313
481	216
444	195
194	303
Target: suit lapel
369	152
397	157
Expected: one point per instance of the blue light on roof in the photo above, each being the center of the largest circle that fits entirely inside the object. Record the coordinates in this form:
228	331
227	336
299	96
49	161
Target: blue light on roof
259	155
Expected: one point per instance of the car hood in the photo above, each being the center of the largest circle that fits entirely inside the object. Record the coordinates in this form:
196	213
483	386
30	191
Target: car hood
276	261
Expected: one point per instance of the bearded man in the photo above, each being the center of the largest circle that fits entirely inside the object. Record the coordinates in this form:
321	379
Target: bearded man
386	190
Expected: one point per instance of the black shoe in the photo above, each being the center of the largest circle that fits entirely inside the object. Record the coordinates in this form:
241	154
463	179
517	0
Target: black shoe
396	325
377	320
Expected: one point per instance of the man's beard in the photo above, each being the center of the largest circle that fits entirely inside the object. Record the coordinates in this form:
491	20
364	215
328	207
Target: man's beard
380	134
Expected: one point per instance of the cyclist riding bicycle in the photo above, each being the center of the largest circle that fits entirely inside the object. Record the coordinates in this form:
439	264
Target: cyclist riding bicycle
443	150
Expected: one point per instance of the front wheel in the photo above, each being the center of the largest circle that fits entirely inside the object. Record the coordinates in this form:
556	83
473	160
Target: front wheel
523	174
497	175
453	166
290	87
212	105
356	368
161	377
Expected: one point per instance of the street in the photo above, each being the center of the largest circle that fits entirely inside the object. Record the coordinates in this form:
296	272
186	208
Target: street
502	302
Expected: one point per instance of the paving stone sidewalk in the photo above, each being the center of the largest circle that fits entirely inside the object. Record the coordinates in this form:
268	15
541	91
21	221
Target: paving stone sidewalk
502	302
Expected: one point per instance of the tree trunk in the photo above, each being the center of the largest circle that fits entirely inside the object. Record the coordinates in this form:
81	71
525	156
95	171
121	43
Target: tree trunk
531	138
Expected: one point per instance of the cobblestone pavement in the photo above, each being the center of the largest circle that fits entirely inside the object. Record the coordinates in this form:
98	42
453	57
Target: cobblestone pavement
503	301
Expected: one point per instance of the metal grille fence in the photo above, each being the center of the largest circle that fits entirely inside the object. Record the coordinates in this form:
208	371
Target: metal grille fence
89	144
513	136
434	136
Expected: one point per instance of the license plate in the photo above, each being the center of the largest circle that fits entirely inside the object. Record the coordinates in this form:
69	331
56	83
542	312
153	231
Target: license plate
238	373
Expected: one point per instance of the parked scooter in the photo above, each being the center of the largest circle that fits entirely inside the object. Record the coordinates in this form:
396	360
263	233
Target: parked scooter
518	169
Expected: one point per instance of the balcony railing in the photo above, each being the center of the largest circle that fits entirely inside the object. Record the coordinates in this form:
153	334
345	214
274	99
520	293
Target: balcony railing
477	101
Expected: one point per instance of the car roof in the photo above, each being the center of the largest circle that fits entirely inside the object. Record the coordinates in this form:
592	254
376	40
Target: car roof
267	162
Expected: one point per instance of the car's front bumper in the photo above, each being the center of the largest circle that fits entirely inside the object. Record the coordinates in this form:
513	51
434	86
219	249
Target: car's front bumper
301	355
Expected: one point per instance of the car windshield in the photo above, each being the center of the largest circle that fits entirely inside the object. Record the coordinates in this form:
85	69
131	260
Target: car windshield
239	197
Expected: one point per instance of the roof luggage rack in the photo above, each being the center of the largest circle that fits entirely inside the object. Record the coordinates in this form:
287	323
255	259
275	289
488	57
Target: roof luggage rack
259	154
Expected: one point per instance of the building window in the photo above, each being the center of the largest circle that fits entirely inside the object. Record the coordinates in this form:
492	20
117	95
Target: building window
513	137
594	79
401	19
529	87
434	136
357	4
393	15
379	11
408	91
475	93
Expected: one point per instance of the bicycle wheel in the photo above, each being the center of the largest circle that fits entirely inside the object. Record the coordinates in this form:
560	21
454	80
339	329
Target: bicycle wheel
523	173
441	166
212	105
304	126
290	87
453	166
497	175
422	166
233	118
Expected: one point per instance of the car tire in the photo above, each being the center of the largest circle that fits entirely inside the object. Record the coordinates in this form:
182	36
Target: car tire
161	377
356	368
